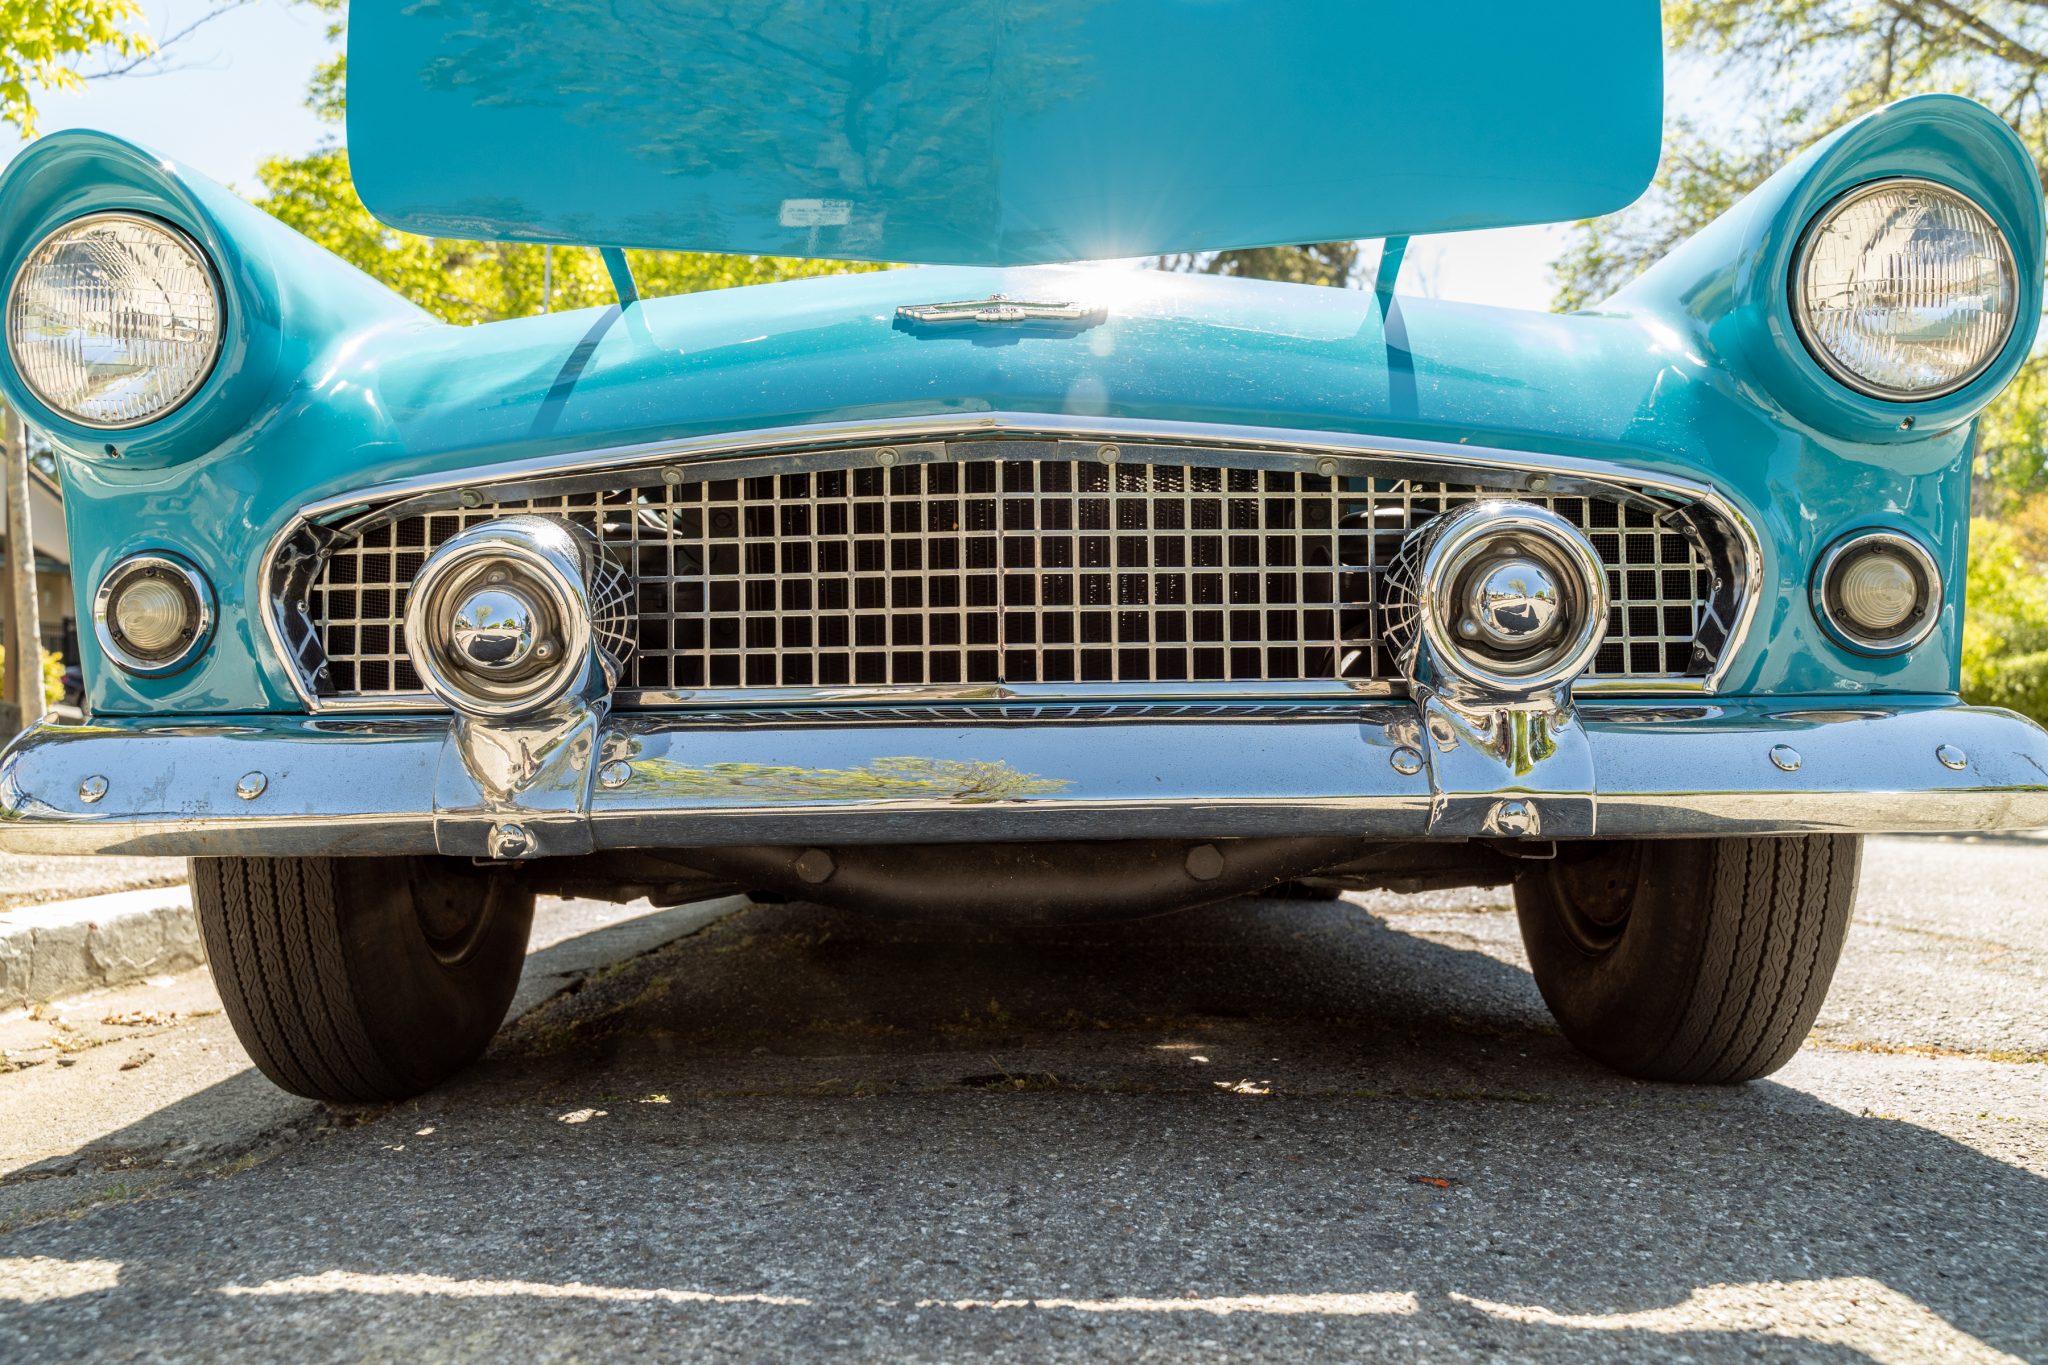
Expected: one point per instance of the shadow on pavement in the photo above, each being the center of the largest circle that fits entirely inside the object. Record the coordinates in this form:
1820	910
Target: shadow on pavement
1259	1130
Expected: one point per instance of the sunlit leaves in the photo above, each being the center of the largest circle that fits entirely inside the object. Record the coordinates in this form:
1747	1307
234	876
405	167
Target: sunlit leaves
44	42
1783	72
469	282
2005	636
485	281
1328	263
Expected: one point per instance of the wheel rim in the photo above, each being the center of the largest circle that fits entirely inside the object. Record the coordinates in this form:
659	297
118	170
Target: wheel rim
453	913
1594	896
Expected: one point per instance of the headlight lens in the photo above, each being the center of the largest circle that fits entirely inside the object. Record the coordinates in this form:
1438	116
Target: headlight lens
114	320
153	614
1905	290
1877	591
502	618
1508	596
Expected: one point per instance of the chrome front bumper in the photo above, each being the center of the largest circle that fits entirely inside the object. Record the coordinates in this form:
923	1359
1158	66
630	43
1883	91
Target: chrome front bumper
278	785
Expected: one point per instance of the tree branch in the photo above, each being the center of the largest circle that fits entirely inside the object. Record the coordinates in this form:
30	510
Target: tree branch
153	59
1969	28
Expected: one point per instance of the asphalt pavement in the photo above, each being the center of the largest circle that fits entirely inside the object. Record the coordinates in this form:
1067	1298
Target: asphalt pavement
1266	1130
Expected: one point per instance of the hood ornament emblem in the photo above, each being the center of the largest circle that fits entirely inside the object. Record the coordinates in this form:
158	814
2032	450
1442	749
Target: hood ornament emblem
1001	309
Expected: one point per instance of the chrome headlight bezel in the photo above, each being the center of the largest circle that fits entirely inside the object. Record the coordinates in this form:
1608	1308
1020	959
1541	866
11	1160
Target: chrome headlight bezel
539	557
578	595
1457	544
209	270
183	574
1847	633
1805	327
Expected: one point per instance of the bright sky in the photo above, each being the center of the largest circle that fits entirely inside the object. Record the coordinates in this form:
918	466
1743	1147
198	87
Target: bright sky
235	97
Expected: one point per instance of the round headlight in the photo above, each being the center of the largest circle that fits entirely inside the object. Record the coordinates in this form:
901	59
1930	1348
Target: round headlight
114	320
502	616
153	614
1877	592
1509	596
1905	290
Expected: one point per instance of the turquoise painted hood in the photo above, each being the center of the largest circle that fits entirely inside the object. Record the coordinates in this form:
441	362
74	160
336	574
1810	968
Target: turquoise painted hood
1171	347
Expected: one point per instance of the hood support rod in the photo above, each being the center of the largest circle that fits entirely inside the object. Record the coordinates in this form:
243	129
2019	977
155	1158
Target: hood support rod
1392	252
621	271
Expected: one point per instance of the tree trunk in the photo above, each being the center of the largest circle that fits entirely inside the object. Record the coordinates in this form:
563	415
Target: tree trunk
25	647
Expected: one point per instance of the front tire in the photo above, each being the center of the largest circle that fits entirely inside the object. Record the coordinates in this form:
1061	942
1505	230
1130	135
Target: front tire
355	980
1689	959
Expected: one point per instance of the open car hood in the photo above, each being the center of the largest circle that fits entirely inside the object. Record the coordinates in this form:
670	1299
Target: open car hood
996	132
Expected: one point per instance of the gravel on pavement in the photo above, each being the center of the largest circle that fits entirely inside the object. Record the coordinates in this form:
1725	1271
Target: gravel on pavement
1265	1130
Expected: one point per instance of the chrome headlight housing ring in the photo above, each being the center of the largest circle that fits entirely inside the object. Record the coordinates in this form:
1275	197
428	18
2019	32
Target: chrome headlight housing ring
1877	592
114	320
505	616
1904	290
153	613
1508	596
524	560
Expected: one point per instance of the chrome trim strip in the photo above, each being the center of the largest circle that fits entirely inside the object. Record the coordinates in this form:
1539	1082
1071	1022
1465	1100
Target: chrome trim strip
1336	692
359	787
1277	441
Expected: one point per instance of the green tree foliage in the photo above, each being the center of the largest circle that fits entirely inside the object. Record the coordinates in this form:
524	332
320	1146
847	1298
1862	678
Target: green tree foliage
474	281
53	676
1800	68
2005	636
42	43
485	281
1329	263
1697	181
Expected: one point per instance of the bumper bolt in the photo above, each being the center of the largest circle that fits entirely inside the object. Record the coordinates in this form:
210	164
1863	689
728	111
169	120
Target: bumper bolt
251	786
508	840
815	866
1952	757
1205	862
92	789
1406	761
1512	817
614	774
1786	758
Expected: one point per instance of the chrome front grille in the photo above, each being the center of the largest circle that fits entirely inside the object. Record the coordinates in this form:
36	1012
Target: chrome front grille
999	564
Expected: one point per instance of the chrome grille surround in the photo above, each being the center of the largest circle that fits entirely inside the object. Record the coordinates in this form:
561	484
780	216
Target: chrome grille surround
987	564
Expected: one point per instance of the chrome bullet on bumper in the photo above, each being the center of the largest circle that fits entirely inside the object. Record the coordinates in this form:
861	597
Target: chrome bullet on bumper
326	786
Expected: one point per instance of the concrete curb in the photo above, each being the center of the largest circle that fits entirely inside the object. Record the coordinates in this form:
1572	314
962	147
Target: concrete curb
64	947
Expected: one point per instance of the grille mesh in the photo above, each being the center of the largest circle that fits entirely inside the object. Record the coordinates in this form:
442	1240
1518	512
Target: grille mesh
1008	571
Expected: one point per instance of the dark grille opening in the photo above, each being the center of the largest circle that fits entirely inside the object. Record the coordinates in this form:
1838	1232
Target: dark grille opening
1010	571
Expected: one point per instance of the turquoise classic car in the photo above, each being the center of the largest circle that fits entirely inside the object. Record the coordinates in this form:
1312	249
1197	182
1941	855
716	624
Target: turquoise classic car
1003	585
